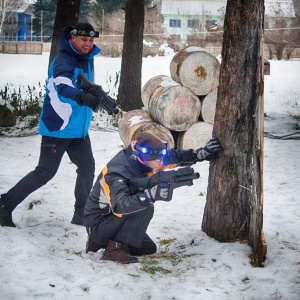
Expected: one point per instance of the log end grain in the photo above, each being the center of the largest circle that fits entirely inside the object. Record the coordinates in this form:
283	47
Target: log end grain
196	69
175	107
196	136
208	109
139	120
129	123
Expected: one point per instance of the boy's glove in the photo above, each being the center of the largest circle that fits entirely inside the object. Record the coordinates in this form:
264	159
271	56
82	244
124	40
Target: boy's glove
209	152
159	192
88	99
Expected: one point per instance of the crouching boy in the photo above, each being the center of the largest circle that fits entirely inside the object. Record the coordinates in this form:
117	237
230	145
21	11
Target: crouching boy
117	219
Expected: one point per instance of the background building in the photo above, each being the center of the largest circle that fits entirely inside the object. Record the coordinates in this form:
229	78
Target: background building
183	19
17	24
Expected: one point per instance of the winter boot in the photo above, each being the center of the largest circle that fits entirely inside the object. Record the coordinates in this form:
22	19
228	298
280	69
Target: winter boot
118	252
5	215
92	246
78	216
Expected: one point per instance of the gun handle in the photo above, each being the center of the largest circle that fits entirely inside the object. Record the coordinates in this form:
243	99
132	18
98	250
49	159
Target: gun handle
170	194
83	83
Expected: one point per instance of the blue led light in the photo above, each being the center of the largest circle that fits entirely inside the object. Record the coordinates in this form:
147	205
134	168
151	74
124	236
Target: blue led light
143	150
150	151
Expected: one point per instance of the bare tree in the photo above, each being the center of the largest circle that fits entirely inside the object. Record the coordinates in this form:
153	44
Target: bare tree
129	94
296	4
279	32
234	204
6	8
67	13
296	23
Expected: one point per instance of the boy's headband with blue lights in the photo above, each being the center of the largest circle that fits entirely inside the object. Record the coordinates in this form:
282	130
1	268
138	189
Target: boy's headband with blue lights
151	151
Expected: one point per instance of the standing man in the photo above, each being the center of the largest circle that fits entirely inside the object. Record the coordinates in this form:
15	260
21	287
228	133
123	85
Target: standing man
64	122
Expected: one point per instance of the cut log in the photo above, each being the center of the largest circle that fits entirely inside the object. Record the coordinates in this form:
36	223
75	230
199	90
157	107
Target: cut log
208	109
196	69
196	136
170	104
139	120
153	84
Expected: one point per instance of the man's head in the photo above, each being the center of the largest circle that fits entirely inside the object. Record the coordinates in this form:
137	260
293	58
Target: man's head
82	37
151	150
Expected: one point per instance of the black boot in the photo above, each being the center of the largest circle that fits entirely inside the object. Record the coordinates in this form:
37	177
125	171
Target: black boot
5	215
118	252
78	216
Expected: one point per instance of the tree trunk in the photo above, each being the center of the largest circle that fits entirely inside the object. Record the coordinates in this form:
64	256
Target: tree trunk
67	12
235	191
129	94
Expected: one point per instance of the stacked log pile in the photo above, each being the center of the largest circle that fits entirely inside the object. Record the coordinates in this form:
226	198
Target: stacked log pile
170	104
138	120
179	109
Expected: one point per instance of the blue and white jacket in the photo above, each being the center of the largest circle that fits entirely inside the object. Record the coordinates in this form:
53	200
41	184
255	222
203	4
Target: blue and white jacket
61	116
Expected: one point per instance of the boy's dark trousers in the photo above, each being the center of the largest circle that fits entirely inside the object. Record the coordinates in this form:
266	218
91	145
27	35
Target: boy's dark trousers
130	230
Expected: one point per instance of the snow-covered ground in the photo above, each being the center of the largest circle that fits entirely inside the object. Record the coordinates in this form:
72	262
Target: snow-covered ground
44	257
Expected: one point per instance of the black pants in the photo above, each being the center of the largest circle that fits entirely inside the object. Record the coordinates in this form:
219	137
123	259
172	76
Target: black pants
130	230
52	150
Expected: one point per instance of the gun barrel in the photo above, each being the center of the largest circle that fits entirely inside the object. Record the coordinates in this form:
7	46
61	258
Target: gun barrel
175	178
107	102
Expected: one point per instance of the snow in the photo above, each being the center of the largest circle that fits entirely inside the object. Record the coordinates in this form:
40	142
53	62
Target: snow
168	82
193	49
44	257
135	120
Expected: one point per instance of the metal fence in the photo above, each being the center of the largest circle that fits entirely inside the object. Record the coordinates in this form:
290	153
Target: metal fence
114	48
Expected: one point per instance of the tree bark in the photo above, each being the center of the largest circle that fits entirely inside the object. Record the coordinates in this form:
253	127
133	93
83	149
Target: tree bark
235	191
129	94
67	13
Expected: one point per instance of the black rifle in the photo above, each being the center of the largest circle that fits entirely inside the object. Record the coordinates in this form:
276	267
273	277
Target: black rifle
174	178
107	103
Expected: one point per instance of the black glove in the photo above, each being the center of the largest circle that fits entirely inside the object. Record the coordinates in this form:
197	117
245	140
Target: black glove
87	99
106	102
159	192
210	151
97	91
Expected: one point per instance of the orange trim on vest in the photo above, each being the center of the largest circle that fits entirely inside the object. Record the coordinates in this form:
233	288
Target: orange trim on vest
107	191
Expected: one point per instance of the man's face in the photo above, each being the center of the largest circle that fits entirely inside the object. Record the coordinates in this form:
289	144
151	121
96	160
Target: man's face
83	43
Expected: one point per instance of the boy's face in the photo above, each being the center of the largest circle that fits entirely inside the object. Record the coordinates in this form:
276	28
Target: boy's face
83	43
154	163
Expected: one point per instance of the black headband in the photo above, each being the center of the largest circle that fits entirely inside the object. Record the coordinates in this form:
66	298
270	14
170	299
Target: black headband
84	32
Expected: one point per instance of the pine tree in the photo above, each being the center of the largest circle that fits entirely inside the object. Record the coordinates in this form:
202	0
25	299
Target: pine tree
44	16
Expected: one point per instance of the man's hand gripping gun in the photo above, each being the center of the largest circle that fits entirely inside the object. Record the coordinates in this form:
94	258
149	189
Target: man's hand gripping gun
106	102
174	178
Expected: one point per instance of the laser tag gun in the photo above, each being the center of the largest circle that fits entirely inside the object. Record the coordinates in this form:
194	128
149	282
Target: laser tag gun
174	178
106	102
